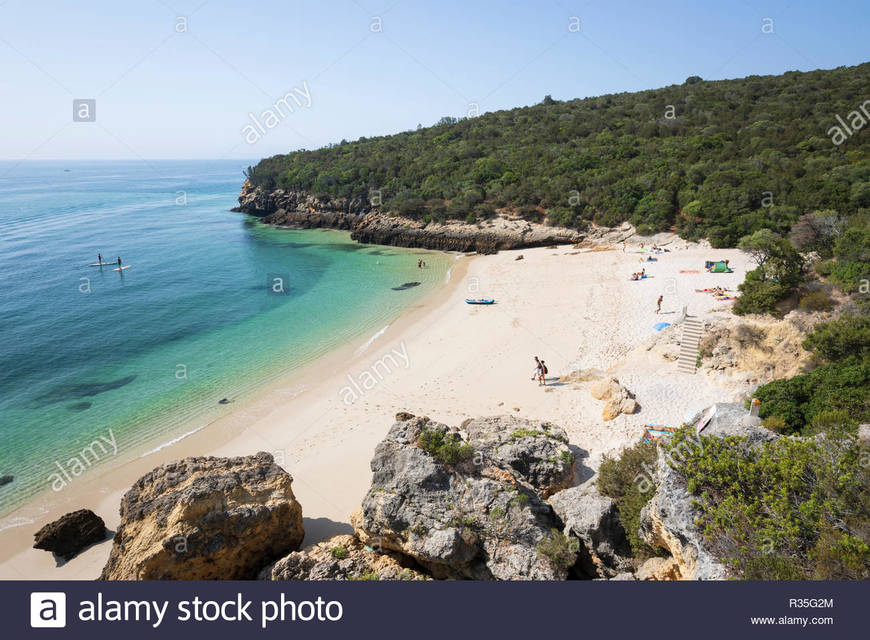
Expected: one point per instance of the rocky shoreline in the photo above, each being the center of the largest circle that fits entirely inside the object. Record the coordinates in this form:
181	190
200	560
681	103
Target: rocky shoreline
285	208
493	499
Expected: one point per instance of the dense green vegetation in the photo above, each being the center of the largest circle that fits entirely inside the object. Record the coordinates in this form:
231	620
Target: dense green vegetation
622	479
838	340
796	508
720	159
840	386
779	272
850	267
790	509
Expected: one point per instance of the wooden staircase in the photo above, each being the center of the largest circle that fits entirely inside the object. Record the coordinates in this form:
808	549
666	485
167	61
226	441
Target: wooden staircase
689	345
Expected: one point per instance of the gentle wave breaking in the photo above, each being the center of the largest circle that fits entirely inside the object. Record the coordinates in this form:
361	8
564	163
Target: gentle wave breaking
371	340
173	441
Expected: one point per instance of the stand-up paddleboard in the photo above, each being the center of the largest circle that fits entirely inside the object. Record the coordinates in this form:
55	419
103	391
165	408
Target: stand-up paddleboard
126	266
102	264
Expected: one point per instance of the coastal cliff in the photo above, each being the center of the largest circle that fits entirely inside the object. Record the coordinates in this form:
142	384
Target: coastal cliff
286	208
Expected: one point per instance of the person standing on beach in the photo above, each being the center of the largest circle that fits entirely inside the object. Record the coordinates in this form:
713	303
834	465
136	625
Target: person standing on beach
542	374
659	304
537	371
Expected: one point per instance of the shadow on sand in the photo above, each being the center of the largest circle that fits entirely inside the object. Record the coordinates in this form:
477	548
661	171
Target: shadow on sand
317	529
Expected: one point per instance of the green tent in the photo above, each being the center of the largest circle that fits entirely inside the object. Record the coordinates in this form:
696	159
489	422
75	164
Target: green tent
720	267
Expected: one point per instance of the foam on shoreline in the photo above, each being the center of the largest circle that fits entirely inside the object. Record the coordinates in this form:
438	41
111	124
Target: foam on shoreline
371	340
173	441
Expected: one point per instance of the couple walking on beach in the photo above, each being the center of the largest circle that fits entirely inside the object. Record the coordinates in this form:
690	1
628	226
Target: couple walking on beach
540	372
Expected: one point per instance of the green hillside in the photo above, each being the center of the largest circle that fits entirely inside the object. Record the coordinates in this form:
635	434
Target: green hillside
719	159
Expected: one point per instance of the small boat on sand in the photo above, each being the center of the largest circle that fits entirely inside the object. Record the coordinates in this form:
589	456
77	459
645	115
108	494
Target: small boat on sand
480	301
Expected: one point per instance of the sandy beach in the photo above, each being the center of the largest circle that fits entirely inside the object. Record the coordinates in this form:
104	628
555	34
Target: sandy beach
576	309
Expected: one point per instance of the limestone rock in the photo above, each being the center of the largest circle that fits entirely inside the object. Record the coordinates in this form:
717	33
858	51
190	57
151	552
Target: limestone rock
458	513
205	519
71	533
370	225
594	520
659	569
342	557
604	389
732	419
668	522
619	399
538	451
624	576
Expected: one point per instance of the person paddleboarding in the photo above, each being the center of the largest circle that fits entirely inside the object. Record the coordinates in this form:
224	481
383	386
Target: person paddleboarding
119	262
99	258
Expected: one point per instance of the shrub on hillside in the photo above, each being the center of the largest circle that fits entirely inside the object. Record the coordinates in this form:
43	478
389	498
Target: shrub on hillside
849	275
788	509
816	301
836	340
559	549
620	478
842	386
759	296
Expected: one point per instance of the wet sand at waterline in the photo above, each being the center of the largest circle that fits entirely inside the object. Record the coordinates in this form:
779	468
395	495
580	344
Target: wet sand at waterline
449	361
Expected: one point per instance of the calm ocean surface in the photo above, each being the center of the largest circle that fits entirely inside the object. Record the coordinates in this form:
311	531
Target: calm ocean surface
150	352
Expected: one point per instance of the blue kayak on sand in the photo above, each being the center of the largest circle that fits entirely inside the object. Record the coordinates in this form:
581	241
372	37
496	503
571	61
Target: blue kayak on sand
479	301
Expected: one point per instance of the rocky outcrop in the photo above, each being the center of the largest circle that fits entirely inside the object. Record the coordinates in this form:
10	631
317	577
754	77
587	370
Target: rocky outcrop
732	419
69	534
4	480
668	519
205	519
668	522
747	350
617	398
289	208
594	520
459	512
484	237
538	451
342	557
659	569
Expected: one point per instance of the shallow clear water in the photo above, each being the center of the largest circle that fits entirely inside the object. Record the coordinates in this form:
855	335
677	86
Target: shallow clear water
199	315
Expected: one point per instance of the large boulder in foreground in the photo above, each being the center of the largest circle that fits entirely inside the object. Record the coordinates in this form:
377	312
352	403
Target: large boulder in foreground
71	533
594	520
456	511
668	522
342	557
206	519
538	451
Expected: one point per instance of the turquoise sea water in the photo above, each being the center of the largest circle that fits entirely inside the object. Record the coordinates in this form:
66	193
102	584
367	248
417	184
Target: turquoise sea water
198	317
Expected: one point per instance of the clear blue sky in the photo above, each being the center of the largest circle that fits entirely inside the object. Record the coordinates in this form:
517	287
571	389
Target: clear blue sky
167	94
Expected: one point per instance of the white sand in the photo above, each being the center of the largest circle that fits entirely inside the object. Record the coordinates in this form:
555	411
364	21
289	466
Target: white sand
575	310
